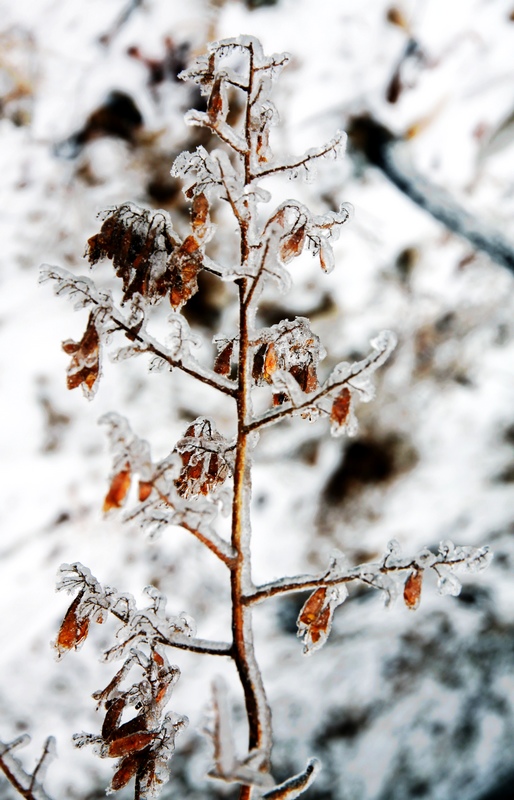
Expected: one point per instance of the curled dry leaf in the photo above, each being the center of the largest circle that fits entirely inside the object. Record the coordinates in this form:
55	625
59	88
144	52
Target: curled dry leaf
84	369
290	346
132	743
412	589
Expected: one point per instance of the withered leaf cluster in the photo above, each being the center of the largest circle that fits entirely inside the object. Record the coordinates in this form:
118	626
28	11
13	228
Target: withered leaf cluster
145	742
293	348
206	462
148	255
84	368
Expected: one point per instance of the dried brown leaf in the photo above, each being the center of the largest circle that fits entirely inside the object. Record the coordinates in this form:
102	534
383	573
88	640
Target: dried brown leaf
315	615
120	484
126	770
74	628
199	211
115	709
131	743
412	589
183	268
341	407
223	359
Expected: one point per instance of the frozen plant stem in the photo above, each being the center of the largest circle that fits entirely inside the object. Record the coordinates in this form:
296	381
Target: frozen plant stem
186	488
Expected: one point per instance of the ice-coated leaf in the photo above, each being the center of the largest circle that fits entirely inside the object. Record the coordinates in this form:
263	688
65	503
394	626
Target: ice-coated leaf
315	619
224	357
120	484
341	416
91	604
74	628
412	589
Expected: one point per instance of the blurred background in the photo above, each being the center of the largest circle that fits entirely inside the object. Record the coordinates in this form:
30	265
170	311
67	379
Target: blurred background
397	705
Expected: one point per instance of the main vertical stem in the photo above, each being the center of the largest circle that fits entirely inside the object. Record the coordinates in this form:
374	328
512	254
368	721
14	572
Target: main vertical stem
258	712
257	709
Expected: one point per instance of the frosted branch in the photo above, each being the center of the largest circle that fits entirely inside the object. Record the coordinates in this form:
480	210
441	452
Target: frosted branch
449	558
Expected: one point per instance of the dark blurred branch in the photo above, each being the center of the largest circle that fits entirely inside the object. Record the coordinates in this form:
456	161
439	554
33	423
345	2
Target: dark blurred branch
386	151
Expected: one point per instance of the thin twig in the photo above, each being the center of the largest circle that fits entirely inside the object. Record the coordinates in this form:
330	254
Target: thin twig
361	573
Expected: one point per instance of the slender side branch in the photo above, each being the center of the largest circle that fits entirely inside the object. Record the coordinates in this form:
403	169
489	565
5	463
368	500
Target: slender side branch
302	162
360	573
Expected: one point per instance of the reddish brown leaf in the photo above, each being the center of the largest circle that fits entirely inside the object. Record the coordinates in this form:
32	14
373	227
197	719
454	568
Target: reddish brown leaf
84	368
315	619
126	770
129	744
144	490
305	376
134	725
341	407
215	104
74	628
223	359
118	489
114	711
412	589
315	615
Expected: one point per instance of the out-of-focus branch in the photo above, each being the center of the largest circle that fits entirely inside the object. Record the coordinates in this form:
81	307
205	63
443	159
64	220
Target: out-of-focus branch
26	784
387	152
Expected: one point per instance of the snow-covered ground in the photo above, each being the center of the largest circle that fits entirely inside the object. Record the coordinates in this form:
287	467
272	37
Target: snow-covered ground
397	705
